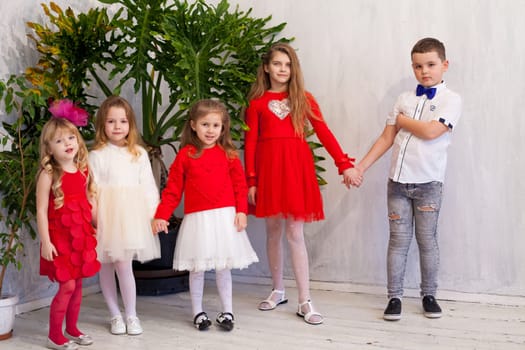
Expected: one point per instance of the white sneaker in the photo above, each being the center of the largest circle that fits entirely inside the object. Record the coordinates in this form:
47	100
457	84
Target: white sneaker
133	325
117	325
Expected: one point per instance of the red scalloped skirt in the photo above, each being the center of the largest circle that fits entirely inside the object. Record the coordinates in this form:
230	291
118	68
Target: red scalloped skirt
73	236
286	181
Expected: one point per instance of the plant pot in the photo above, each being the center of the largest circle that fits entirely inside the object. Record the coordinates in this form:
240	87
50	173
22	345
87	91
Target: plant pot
157	277
7	315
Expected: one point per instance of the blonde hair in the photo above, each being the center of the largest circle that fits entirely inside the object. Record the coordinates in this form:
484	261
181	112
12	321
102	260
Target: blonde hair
201	109
48	163
132	139
300	108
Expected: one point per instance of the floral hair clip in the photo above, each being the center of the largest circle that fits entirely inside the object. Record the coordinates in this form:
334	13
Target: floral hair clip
68	110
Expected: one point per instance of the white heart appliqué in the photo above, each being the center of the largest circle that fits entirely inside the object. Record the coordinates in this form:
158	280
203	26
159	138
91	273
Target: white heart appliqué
280	108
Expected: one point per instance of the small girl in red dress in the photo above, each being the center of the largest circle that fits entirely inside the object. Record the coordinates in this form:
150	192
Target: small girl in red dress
64	219
212	234
282	184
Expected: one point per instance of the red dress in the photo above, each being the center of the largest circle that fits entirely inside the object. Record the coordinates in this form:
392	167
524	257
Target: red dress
72	233
280	163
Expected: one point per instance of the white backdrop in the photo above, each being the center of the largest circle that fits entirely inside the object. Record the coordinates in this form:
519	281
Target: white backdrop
356	58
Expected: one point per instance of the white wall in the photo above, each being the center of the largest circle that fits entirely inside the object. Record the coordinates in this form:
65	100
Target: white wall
356	59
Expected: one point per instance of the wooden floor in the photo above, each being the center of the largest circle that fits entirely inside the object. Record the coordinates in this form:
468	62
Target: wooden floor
352	321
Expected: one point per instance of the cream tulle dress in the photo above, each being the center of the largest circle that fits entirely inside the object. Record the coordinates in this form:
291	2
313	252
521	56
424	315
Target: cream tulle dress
127	199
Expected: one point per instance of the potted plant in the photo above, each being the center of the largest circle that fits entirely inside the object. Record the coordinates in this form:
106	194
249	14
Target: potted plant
18	168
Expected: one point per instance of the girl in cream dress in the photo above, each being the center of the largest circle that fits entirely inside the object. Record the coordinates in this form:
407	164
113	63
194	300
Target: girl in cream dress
126	198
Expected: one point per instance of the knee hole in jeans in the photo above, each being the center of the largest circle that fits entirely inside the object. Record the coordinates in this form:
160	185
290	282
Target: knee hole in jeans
394	216
429	207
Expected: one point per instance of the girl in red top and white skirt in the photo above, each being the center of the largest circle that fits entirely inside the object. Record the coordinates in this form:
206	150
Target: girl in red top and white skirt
212	235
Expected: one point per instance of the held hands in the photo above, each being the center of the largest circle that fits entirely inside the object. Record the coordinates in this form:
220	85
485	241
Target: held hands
241	221
353	177
158	225
48	251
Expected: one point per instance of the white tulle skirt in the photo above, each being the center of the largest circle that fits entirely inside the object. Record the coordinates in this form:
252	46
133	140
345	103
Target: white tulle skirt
208	240
124	226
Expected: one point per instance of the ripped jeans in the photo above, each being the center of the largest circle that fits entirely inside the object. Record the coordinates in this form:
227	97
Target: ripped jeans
413	206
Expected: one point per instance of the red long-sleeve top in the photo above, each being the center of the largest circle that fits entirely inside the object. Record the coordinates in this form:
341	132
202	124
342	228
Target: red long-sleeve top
208	182
263	125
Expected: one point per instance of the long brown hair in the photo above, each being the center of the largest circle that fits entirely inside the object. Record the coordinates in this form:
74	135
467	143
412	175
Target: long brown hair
300	108
49	164
200	109
132	140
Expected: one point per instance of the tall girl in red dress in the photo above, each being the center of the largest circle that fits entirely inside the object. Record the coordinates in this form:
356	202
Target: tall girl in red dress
212	235
64	219
282	184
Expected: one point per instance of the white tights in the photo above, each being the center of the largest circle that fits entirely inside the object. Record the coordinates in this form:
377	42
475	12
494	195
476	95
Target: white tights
223	279
127	287
299	255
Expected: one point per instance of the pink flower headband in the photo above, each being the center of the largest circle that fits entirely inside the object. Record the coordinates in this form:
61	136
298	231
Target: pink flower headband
68	110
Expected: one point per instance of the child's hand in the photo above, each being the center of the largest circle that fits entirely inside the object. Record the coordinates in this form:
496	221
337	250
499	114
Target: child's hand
241	221
252	192
352	177
159	225
48	251
398	117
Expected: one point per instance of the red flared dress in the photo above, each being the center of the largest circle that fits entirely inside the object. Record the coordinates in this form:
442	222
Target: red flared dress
72	233
280	163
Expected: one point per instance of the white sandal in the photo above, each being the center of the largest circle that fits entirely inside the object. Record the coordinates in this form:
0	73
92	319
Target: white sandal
273	304
308	316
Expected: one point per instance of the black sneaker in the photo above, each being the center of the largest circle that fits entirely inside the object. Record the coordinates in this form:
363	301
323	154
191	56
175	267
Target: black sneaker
431	307
393	310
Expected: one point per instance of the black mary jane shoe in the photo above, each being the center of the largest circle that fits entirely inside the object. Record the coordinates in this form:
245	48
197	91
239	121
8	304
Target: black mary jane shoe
225	320
201	321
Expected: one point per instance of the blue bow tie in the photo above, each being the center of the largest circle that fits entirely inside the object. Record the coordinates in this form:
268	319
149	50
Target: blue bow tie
430	92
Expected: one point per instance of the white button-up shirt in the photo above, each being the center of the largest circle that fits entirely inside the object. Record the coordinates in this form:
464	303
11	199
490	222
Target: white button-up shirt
415	160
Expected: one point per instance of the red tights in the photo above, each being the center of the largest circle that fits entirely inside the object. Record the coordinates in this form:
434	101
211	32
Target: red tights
65	304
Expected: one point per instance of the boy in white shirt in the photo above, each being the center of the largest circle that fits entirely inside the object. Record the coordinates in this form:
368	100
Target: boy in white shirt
419	128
